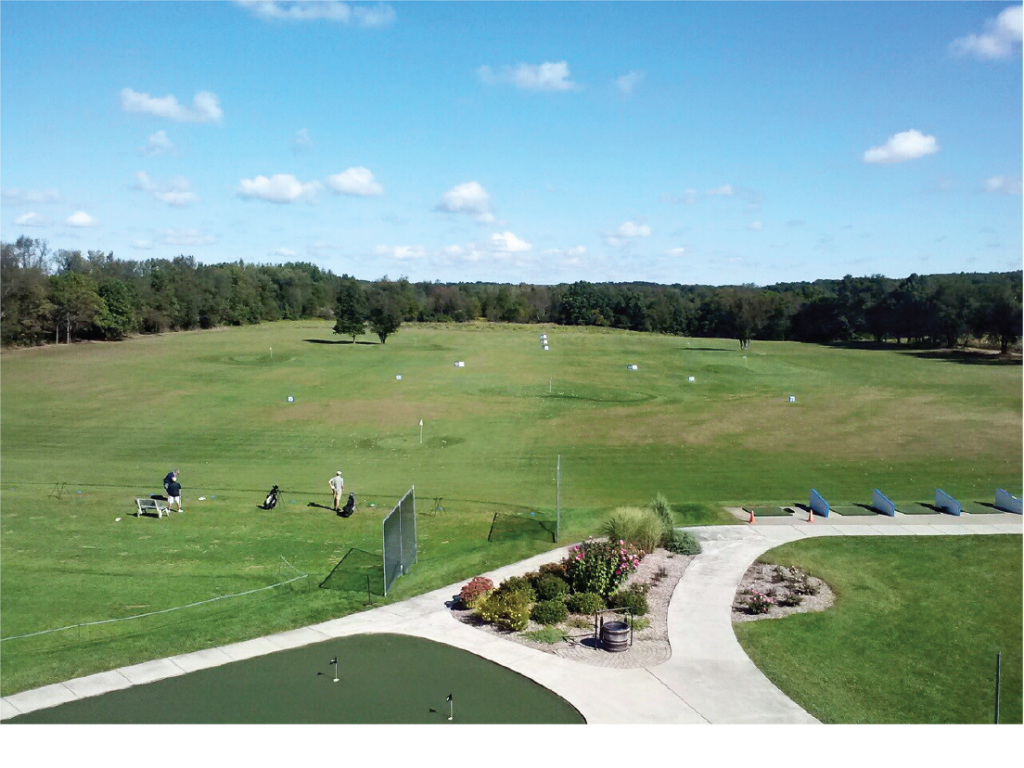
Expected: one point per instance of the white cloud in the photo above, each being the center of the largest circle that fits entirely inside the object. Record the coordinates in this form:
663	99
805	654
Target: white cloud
755	226
81	219
32	219
901	147
726	190
302	140
628	82
628	232
1003	185
506	242
159	144
205	106
1001	38
470	198
186	237
16	196
549	76
400	252
287	253
355	181
279	188
676	252
177	192
142	245
322	10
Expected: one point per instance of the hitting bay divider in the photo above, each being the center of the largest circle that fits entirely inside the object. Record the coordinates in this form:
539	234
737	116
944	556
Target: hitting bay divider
818	504
881	503
947	503
165	610
399	537
1007	502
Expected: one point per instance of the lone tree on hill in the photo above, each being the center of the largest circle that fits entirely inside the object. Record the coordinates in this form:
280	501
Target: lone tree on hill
385	315
350	309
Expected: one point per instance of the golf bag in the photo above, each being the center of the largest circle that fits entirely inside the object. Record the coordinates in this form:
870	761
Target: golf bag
349	508
271	501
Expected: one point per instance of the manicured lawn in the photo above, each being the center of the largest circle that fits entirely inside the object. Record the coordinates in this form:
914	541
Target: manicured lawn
913	635
111	420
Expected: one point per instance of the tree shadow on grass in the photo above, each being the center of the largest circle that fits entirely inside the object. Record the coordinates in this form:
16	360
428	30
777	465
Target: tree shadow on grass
966	356
342	341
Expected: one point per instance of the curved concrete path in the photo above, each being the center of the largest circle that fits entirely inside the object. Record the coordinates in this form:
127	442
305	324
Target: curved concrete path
708	679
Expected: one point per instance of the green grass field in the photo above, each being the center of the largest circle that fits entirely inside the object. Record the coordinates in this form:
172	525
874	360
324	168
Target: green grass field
913	635
111	420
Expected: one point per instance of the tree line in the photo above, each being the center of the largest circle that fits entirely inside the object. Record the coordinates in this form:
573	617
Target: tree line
64	295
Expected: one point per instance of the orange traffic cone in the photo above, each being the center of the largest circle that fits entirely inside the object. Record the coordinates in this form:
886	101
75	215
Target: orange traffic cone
752	519
810	515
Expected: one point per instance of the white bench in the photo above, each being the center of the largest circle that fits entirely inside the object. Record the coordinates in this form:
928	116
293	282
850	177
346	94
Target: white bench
152	505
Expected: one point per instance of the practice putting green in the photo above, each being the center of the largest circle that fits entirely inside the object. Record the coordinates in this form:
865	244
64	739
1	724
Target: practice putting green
913	635
382	679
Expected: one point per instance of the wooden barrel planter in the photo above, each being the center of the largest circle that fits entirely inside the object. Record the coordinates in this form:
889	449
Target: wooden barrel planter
616	636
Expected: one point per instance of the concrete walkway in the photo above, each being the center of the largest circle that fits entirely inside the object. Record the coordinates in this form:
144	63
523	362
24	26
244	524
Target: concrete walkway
708	679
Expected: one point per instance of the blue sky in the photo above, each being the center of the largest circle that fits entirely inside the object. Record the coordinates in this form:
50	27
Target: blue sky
712	143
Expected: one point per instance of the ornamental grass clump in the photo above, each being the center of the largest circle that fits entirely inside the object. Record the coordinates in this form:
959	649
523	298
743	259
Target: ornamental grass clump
635	525
600	566
659	506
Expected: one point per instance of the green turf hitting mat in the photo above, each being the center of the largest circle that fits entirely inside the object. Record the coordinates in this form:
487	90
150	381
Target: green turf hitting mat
855	510
981	508
917	508
769	511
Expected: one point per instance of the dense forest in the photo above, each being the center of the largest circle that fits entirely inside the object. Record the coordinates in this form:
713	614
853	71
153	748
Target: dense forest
64	296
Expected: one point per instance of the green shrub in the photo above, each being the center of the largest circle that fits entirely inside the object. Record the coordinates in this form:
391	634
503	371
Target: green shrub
519	585
635	525
683	543
659	506
600	566
585	602
509	610
549	612
556	569
634	599
550	587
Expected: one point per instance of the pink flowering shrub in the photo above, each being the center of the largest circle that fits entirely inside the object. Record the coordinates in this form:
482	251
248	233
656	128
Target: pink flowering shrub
758	602
600	566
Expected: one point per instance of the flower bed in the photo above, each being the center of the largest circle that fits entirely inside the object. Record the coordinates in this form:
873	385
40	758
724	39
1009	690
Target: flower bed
596	574
774	591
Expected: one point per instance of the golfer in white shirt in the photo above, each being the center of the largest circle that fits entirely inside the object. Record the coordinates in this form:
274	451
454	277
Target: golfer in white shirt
337	484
